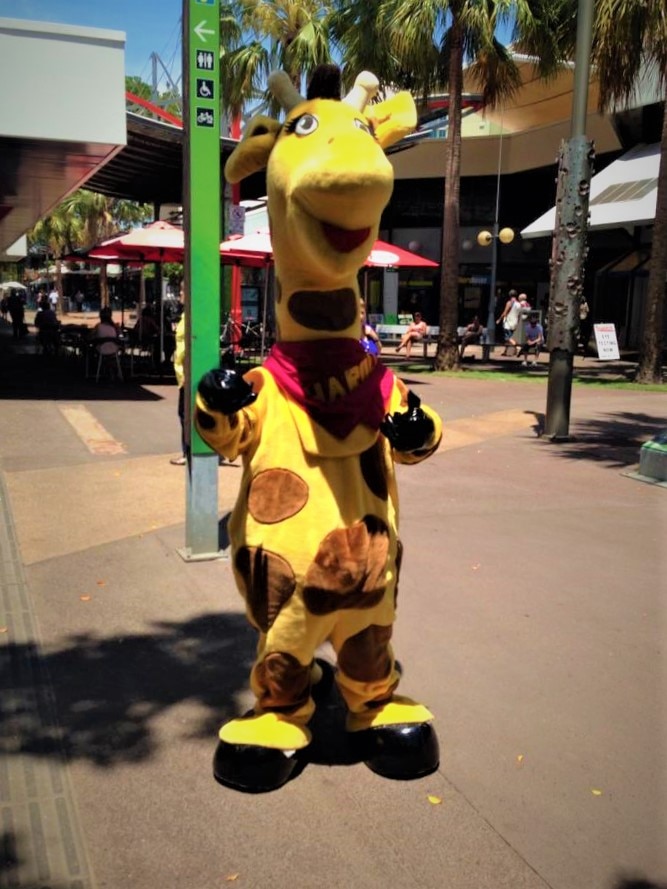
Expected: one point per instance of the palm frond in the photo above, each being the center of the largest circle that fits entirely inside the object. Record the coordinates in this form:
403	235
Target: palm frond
629	37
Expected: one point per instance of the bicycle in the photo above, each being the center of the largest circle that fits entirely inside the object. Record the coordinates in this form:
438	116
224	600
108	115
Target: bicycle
239	340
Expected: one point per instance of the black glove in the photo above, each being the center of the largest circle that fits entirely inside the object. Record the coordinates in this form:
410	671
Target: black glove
225	391
408	431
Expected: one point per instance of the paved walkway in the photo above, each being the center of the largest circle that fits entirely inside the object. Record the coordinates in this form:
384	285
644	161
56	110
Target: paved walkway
531	621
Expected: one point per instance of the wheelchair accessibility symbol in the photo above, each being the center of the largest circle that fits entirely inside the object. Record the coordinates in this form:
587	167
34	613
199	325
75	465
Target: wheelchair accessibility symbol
205	88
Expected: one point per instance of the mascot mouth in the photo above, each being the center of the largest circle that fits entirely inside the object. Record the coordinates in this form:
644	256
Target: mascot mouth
342	239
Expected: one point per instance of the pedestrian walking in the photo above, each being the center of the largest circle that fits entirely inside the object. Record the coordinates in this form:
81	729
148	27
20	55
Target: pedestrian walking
16	313
53	299
510	319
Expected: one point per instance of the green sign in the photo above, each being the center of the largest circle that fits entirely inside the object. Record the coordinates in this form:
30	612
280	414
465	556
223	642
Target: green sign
202	193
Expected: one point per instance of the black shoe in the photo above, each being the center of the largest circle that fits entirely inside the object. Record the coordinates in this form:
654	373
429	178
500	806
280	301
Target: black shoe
252	769
320	691
401	752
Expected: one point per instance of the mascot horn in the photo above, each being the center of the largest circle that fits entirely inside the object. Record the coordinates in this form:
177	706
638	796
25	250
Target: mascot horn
314	532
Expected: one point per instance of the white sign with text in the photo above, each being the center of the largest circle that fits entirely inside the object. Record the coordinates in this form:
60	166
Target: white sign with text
605	338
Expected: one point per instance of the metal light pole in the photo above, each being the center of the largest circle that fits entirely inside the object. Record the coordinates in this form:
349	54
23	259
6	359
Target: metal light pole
484	238
569	249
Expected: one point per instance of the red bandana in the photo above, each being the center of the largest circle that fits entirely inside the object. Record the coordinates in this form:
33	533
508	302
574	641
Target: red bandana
335	381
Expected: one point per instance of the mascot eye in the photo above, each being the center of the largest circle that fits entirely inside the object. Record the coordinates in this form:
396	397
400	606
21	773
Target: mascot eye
305	125
363	126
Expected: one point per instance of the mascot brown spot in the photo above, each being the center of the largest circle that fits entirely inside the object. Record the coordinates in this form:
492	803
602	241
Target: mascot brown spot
365	656
276	495
374	471
330	310
284	682
349	569
399	561
268	580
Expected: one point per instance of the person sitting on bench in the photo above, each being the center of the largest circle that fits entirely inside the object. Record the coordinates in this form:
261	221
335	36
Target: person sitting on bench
416	331
471	335
534	339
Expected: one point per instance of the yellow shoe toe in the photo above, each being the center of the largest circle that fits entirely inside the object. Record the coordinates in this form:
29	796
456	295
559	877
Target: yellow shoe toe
397	711
265	730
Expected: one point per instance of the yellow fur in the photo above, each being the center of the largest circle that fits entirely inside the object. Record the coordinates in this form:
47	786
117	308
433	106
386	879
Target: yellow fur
314	532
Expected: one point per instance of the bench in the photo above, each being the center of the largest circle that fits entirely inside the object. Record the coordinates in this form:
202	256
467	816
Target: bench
391	334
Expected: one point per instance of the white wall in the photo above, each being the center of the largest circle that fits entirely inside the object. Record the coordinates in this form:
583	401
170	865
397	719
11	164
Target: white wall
62	82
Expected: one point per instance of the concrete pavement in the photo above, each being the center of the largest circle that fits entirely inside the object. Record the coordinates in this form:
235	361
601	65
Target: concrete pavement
531	621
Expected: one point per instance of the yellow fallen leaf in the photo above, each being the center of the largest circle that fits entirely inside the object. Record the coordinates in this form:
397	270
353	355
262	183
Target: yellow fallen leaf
85	598
596	792
231	877
434	800
3	629
519	759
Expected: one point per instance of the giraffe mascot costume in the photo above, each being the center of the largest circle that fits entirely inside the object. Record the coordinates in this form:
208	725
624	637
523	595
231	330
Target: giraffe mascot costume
314	532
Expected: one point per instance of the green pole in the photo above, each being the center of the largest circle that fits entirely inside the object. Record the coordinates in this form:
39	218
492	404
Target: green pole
569	245
201	219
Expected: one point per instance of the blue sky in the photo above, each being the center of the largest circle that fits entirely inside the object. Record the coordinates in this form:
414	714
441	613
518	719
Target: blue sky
149	25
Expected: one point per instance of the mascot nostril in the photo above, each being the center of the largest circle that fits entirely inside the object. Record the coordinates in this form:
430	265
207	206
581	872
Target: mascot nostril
320	426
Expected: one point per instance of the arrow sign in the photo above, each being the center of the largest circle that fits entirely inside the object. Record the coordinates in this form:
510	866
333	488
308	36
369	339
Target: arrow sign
200	30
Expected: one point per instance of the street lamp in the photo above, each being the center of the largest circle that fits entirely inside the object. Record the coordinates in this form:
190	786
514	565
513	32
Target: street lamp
484	239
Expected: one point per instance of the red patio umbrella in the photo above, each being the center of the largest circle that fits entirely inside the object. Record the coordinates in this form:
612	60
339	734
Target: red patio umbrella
255	249
157	242
384	255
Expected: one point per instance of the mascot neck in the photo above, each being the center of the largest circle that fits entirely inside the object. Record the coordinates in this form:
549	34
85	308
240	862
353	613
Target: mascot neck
306	312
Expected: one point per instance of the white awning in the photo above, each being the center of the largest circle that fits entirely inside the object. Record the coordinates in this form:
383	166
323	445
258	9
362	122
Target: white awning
622	195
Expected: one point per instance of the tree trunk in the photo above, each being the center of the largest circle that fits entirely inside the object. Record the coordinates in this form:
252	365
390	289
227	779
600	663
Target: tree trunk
59	286
447	354
568	252
649	369
104	286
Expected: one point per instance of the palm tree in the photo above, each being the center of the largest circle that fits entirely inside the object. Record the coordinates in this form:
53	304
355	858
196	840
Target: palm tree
82	220
102	217
620	28
360	30
257	36
423	45
57	233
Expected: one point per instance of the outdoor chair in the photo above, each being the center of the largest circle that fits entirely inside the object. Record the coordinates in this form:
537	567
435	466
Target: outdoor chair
108	352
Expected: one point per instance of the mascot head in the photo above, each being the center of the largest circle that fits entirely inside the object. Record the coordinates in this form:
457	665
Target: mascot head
328	181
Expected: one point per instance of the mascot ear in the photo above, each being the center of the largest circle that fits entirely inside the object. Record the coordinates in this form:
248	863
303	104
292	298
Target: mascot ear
252	152
394	118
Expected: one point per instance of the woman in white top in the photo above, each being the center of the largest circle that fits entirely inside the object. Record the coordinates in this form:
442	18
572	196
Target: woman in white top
510	319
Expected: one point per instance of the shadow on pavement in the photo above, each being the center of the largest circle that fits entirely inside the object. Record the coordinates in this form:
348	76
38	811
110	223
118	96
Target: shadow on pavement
638	883
614	440
110	690
25	373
